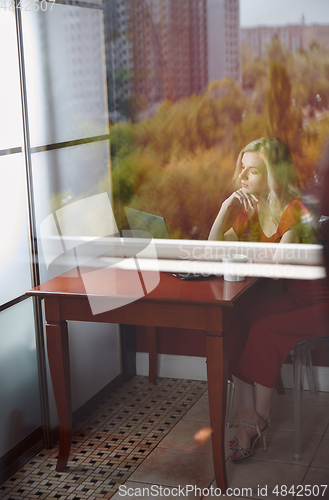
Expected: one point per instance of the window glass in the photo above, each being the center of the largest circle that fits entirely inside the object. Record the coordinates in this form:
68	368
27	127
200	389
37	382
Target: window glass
62	177
19	391
10	102
65	74
14	251
200	83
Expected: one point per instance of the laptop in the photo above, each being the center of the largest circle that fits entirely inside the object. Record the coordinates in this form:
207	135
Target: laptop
156	226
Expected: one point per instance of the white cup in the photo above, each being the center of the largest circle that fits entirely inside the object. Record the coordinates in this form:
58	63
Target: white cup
234	259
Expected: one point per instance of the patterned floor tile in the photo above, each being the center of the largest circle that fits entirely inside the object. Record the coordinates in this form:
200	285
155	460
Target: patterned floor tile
109	443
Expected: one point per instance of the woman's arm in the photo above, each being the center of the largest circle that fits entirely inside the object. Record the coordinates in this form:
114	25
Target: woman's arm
291	236
223	223
230	209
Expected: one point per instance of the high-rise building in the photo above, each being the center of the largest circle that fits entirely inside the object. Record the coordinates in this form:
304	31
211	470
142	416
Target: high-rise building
223	33
169	49
119	62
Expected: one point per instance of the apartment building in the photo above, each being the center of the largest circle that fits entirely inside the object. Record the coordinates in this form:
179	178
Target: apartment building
223	32
293	36
167	49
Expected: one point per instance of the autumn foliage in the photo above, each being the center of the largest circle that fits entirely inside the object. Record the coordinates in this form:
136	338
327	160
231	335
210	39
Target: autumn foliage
179	163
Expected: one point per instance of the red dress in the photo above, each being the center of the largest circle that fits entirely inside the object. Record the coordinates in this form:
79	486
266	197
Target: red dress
250	229
262	336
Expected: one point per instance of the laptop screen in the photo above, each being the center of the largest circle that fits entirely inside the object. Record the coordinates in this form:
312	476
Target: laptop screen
142	221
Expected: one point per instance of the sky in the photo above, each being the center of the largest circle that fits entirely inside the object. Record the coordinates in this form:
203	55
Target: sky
278	12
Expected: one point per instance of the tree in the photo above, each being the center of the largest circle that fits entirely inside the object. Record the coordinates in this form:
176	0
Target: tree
277	51
278	99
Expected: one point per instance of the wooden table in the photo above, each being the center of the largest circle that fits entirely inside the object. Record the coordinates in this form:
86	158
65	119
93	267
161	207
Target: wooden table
201	305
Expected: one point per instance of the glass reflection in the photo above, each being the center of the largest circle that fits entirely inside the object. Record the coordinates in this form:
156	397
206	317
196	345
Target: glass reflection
64	176
192	86
14	252
65	74
19	388
10	100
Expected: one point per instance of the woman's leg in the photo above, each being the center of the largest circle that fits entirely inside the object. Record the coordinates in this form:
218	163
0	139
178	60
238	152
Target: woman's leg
239	328
252	405
271	339
263	396
253	408
244	396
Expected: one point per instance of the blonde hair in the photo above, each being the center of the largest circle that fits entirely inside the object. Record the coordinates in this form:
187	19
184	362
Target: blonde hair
281	174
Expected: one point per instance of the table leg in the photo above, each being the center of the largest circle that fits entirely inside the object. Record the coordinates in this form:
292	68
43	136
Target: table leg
59	364
153	355
128	351
217	389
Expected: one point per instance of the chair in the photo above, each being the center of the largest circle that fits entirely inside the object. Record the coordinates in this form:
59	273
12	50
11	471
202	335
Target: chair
302	361
229	406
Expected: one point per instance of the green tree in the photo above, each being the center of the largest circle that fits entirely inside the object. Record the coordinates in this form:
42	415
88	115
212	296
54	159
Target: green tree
278	99
277	51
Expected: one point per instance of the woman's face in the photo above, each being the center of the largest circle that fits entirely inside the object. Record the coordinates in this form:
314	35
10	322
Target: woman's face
253	176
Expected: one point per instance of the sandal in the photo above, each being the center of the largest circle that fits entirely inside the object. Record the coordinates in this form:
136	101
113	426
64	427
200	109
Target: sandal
233	443
248	452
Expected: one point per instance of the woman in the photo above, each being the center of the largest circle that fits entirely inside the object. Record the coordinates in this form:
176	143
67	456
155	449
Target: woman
266	208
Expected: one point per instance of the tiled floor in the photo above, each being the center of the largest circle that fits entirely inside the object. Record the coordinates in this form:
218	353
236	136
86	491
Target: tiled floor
141	437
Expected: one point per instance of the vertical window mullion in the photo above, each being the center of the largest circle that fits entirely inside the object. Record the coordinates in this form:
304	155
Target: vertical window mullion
32	235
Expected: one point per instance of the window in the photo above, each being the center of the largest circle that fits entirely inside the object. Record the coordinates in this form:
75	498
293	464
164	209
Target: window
61	97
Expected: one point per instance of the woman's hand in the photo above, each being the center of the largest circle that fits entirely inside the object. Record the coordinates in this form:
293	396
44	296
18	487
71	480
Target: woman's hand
229	211
243	200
